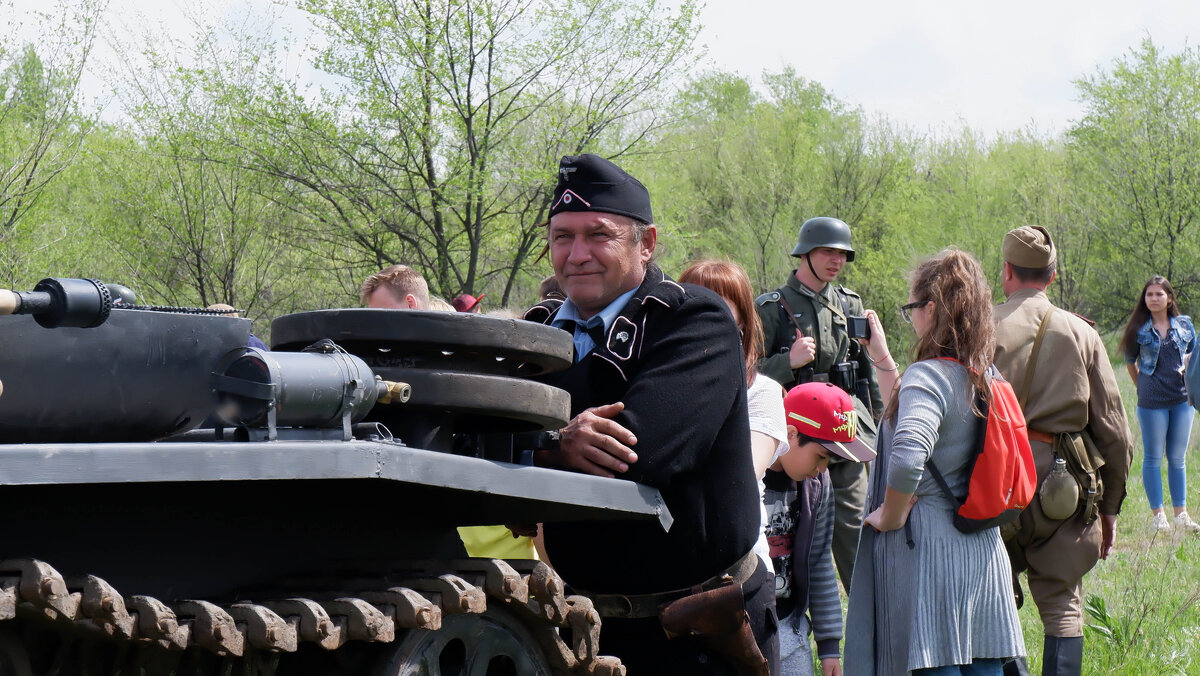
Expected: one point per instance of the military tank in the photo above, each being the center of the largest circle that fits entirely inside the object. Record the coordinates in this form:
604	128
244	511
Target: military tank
177	503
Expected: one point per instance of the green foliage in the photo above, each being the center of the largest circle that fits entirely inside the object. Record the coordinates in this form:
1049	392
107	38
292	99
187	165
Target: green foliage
752	163
737	172
42	128
437	145
1136	155
435	135
217	228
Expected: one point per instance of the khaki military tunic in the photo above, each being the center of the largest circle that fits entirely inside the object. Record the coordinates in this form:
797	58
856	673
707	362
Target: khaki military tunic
1072	389
821	316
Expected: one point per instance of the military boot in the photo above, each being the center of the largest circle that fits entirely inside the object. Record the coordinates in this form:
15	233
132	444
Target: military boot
1062	656
1016	667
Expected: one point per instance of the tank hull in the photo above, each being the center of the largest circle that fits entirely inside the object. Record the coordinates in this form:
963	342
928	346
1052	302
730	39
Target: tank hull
214	519
361	531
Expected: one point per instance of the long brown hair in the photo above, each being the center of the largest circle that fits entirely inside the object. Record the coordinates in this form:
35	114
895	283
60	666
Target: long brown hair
731	282
1141	313
961	324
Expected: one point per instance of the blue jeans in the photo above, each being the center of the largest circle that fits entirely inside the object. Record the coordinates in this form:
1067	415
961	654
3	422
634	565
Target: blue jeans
979	667
1165	430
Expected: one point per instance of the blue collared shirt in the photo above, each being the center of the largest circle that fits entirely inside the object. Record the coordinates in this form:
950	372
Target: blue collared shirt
583	342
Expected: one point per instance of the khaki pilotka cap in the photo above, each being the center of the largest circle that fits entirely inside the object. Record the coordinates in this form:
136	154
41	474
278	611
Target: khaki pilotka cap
1029	246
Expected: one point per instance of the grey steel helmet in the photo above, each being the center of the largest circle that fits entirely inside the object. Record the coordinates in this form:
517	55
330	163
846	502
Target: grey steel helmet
824	231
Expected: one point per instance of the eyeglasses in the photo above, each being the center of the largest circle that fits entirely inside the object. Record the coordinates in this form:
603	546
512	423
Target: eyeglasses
906	310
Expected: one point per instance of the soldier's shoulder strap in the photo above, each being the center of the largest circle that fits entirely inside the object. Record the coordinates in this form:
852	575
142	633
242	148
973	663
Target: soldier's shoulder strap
1089	322
771	297
786	319
847	292
845	295
1031	365
781	341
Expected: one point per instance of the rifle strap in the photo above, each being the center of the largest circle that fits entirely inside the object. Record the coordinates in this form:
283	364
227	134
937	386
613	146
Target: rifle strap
1031	365
791	315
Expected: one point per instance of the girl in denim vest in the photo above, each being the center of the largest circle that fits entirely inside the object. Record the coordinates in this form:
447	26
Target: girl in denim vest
1157	343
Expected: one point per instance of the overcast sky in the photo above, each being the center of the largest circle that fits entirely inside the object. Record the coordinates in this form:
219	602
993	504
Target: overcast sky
935	65
929	64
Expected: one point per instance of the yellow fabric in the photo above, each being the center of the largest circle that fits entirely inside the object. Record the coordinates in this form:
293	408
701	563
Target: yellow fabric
496	542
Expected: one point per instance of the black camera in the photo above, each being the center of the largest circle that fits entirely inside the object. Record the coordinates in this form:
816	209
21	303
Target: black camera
858	327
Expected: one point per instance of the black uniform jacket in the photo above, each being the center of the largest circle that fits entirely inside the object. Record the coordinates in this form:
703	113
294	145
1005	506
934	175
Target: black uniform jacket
673	356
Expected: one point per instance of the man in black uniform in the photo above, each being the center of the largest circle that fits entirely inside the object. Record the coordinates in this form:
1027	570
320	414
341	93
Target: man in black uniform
806	338
658	396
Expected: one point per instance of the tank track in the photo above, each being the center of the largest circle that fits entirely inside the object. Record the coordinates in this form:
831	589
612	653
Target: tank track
529	590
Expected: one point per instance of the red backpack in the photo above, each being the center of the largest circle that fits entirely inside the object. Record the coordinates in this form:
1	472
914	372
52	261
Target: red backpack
1003	476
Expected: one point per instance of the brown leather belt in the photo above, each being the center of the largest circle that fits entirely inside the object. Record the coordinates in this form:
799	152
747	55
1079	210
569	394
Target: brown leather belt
631	606
1044	437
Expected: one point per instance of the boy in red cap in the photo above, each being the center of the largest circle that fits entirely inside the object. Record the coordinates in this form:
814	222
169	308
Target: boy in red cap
821	422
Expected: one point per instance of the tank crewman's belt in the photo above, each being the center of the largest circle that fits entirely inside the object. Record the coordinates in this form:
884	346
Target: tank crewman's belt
1044	437
631	606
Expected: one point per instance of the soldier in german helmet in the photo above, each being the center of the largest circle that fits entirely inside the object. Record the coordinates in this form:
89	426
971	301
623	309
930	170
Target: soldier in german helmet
1060	370
806	338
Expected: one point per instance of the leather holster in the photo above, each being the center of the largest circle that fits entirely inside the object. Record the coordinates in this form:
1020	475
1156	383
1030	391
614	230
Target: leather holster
718	617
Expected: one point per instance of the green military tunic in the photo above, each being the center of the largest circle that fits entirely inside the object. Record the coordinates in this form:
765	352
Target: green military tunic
1072	390
823	317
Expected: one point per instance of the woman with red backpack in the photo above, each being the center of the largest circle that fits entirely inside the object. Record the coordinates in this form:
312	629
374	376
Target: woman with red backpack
927	598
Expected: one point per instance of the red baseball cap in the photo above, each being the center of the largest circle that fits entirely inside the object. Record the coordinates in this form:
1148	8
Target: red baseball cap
826	413
465	302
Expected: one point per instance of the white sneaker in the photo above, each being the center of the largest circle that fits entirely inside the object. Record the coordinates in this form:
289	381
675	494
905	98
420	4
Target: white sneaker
1159	523
1184	523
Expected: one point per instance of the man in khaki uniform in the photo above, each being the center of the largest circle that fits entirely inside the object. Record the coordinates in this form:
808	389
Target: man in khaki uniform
1074	411
806	338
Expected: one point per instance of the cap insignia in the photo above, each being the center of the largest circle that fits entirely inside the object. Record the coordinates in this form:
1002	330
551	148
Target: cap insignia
569	196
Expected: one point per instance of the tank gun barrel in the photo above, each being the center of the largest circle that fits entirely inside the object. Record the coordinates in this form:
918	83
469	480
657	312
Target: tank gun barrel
55	302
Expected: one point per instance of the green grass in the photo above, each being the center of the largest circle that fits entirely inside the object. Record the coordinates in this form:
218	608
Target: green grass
1142	603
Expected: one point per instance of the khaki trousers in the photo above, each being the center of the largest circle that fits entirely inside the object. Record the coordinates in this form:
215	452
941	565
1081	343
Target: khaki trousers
1055	555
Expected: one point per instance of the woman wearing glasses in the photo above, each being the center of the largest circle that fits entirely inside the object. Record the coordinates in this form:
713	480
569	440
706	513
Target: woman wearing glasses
1157	342
927	598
